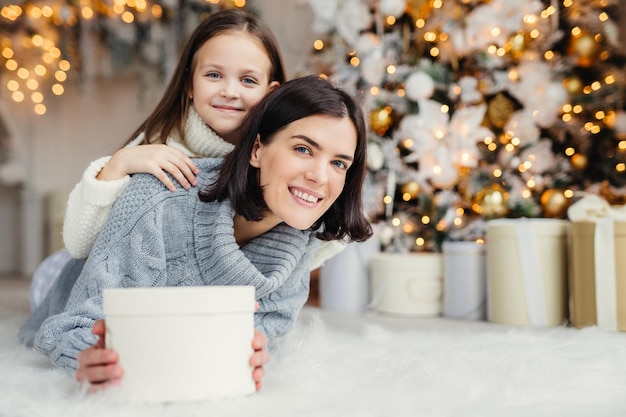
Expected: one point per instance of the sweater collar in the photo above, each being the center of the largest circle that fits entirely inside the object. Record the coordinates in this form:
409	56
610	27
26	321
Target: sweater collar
265	262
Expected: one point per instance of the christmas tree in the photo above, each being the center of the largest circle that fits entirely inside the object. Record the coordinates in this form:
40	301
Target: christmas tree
478	109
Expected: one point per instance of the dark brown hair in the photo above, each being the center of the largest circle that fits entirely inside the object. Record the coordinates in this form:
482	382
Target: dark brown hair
171	112
295	100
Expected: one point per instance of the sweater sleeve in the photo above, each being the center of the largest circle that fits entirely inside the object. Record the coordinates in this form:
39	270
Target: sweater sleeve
88	206
128	253
279	309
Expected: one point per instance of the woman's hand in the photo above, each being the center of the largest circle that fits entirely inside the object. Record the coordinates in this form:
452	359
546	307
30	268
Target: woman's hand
151	159
259	358
99	366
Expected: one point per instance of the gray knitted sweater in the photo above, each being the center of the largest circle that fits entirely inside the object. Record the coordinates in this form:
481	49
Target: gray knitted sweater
154	237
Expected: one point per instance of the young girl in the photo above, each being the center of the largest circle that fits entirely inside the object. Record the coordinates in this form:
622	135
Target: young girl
228	64
294	178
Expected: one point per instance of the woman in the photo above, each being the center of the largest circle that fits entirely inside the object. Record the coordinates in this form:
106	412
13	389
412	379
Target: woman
294	179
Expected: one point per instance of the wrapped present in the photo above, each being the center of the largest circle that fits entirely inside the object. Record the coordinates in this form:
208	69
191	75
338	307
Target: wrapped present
406	284
527	271
464	281
198	337
597	277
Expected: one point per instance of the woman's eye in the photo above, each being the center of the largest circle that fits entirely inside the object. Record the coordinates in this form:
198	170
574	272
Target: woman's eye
302	149
340	164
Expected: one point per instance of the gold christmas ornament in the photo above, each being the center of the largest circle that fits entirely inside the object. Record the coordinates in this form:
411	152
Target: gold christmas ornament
491	202
573	85
381	120
418	9
499	110
517	44
579	161
412	188
554	203
585	48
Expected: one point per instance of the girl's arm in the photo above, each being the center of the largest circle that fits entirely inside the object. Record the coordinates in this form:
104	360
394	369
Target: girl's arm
104	180
88	206
325	251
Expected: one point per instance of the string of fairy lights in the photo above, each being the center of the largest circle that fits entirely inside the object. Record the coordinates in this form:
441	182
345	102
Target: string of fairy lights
36	46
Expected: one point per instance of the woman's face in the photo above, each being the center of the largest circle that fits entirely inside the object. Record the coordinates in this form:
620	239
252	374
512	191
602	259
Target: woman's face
303	169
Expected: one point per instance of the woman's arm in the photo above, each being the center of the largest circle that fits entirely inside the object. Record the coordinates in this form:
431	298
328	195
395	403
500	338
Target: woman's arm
130	251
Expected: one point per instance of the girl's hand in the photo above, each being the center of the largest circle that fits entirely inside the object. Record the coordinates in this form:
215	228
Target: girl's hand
151	159
98	366
259	358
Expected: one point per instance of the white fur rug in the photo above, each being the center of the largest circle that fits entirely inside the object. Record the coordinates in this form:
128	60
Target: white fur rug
340	365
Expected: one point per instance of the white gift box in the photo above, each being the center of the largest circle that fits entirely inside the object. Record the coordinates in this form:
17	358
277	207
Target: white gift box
344	279
464	281
407	284
182	343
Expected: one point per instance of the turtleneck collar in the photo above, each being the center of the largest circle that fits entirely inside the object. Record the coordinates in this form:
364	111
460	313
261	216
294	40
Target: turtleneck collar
199	139
265	261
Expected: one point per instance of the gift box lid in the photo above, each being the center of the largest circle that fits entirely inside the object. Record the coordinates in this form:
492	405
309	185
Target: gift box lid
178	300
427	264
540	226
587	229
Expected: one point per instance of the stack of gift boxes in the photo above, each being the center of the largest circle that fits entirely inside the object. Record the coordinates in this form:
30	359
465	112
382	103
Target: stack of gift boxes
530	272
546	272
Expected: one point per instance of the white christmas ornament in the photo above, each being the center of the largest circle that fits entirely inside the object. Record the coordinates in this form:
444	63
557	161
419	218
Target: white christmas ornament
373	67
324	12
392	7
540	156
367	43
353	17
375	156
444	173
522	125
419	86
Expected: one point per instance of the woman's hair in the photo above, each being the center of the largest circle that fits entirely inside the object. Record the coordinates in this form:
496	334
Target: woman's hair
171	112
295	100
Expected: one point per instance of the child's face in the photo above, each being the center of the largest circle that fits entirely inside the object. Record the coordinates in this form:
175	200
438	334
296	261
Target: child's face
303	169
231	74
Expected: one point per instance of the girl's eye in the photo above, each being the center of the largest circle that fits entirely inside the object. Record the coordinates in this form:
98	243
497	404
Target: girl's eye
213	75
249	80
